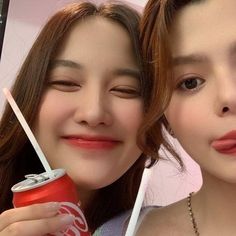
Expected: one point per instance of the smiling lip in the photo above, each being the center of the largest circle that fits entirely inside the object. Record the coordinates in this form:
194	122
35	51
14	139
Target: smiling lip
92	142
226	144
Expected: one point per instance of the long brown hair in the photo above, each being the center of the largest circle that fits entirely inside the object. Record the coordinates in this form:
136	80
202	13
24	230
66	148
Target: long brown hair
155	30
18	158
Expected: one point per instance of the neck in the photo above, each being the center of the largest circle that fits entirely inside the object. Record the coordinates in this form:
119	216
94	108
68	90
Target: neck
214	205
85	197
216	190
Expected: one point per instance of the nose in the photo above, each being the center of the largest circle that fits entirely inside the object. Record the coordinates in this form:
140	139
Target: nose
93	109
226	95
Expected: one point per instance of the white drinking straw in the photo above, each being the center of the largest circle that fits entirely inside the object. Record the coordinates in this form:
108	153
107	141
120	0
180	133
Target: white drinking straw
28	131
138	202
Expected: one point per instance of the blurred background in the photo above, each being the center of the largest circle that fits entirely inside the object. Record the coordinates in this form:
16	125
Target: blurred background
20	22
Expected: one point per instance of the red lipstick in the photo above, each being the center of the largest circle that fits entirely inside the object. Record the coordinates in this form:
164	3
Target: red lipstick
91	142
226	144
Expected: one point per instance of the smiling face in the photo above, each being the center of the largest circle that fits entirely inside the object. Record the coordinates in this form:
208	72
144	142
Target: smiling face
92	109
203	104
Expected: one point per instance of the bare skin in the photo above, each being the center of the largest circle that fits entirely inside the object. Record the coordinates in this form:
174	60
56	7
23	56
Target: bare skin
166	221
34	220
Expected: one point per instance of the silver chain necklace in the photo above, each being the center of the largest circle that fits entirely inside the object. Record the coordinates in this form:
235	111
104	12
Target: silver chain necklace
190	210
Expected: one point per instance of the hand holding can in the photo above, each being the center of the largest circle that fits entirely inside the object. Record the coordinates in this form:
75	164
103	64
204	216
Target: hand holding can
40	188
36	219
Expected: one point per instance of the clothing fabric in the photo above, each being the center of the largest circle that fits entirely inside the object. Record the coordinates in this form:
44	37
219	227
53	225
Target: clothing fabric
117	226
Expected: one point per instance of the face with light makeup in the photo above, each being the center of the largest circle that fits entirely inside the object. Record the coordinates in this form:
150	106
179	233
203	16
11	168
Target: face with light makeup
92	109
203	105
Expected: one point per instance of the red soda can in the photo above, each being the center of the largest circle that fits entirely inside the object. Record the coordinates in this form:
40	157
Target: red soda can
39	188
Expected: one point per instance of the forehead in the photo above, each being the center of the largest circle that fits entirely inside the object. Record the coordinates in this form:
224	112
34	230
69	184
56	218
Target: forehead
201	25
95	34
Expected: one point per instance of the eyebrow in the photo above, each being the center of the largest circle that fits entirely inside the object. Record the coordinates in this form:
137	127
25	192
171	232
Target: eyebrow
127	71
117	72
189	59
65	63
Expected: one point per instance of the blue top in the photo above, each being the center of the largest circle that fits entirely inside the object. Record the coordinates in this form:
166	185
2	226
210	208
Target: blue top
117	225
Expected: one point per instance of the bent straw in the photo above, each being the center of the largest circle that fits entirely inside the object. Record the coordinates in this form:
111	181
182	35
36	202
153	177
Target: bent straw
138	202
28	131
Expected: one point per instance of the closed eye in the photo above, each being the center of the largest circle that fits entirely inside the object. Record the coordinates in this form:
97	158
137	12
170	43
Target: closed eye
64	85
125	92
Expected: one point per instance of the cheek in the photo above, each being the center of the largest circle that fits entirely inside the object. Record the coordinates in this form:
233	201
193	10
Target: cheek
51	112
187	119
182	116
130	116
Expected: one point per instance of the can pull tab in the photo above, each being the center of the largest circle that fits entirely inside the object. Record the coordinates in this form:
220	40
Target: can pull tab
36	178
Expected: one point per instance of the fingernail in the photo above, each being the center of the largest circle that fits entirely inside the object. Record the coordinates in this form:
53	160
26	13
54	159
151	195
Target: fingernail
67	219
52	206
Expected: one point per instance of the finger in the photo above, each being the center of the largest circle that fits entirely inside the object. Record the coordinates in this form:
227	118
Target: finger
36	211
39	227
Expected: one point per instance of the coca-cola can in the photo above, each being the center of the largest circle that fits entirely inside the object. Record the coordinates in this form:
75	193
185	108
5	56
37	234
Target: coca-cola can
39	188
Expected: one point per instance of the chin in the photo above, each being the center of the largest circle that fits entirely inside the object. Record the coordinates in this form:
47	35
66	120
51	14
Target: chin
94	183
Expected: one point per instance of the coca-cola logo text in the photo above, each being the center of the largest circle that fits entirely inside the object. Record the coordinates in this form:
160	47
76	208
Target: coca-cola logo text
79	227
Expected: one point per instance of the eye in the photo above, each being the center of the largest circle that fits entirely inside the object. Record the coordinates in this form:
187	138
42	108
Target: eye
64	85
190	84
125	92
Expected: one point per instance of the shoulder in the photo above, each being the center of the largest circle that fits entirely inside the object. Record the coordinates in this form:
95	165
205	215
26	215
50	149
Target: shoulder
169	220
117	226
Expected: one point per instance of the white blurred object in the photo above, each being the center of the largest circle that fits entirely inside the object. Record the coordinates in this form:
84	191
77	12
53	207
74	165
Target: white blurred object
139	201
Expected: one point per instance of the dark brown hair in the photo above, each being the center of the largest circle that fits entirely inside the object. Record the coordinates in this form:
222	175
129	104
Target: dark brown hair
18	158
155	29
